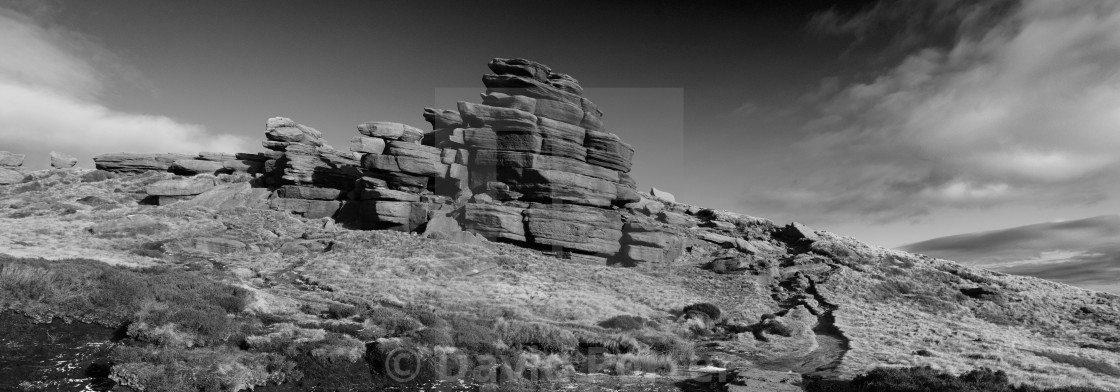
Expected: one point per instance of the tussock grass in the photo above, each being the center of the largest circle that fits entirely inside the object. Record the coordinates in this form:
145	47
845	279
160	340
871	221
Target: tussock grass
216	369
627	364
475	336
393	321
89	290
544	337
667	344
624	322
615	343
709	309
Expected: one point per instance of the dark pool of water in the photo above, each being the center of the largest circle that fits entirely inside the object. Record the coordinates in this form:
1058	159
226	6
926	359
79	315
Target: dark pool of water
53	356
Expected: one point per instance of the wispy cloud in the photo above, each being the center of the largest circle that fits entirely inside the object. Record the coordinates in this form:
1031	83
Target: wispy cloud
1010	103
1081	252
50	82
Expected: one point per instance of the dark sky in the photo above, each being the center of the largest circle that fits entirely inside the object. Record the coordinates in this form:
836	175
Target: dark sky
891	122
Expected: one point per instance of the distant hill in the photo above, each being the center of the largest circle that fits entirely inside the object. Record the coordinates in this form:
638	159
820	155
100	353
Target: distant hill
1083	253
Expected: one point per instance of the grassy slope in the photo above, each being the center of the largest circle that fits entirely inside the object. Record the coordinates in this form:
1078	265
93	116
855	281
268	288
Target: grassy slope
891	305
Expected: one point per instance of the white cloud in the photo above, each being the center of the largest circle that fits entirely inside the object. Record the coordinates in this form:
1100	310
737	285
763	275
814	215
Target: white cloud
1022	109
49	86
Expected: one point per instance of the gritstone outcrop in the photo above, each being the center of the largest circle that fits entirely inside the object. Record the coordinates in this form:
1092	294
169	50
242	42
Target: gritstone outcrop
532	163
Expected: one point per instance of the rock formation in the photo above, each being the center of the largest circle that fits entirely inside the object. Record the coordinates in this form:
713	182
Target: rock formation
532	163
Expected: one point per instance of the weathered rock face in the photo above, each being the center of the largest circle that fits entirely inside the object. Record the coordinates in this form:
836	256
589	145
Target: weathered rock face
183	187
575	227
230	196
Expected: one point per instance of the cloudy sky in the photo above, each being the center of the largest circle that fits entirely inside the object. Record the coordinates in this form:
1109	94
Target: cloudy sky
1082	252
891	122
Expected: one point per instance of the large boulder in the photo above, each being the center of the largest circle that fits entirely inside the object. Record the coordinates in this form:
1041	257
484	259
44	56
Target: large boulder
62	160
181	187
136	163
282	131
8	159
573	227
